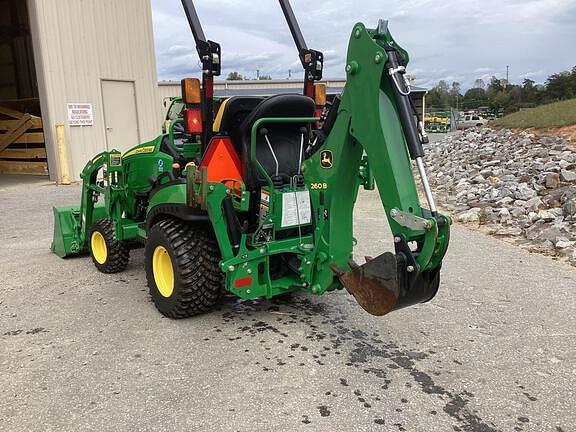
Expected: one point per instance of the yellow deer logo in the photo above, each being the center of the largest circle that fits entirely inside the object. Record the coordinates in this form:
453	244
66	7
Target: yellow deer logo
326	159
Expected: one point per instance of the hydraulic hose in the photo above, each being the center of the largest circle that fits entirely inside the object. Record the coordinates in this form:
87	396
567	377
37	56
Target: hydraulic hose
401	93
409	122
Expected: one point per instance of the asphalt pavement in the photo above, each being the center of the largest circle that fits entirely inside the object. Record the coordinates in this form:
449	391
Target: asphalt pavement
84	351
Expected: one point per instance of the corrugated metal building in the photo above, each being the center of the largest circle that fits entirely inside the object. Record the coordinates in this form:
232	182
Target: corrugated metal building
334	86
70	56
250	87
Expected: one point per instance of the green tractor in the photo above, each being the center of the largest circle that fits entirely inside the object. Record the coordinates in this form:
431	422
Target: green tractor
256	197
175	109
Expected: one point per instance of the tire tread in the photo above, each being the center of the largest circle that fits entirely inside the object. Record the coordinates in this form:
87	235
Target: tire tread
196	256
118	251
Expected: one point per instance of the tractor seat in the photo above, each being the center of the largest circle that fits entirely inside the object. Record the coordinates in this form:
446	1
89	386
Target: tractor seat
285	138
232	114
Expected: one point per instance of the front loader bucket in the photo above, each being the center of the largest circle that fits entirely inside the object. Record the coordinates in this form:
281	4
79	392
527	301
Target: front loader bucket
383	285
65	241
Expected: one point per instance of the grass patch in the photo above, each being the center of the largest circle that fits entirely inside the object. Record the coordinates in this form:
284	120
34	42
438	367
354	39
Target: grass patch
554	115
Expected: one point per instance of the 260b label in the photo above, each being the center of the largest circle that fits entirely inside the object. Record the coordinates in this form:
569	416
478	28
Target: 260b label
319	186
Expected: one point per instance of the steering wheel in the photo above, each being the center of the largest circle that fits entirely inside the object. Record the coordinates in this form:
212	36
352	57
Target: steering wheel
179	127
177	131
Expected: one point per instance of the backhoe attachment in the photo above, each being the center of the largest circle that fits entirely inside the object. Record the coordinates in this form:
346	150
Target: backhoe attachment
376	116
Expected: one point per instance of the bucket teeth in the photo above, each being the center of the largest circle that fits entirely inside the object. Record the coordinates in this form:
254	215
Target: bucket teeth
337	270
353	265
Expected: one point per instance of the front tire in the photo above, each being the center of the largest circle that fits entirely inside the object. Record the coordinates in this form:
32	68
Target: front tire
182	268
109	255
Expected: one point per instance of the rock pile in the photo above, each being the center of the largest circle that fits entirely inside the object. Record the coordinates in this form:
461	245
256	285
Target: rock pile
518	184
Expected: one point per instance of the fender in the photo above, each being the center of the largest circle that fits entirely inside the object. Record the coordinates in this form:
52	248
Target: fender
170	200
178	211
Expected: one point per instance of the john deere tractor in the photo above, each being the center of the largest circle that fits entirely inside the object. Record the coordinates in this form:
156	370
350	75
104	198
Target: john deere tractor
255	196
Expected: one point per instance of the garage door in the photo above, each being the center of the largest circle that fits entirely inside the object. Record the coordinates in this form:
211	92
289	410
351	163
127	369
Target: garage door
120	115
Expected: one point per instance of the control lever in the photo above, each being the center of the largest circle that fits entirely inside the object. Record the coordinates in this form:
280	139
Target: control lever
276	180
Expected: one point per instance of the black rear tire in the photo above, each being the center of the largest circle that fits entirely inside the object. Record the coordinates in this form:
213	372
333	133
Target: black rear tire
109	255
194	258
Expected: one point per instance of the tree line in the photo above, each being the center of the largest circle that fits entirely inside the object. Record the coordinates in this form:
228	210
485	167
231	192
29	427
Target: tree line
501	97
236	76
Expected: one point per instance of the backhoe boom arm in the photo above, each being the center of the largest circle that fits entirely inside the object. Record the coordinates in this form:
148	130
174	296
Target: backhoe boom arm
373	120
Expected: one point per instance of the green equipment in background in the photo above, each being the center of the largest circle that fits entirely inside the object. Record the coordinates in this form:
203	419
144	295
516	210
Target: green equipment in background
257	197
438	122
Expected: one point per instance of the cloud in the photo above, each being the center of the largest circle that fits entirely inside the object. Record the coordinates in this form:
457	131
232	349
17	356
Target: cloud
453	40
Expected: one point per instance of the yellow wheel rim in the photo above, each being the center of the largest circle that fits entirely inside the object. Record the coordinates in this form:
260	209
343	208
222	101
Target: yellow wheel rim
163	271
99	249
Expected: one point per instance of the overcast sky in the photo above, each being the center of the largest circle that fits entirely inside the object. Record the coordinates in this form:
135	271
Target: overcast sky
454	40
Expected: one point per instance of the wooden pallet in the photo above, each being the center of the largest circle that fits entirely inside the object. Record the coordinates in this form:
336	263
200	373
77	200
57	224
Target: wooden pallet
22	147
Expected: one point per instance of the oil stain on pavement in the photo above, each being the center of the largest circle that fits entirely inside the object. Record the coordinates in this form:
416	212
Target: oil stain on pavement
330	337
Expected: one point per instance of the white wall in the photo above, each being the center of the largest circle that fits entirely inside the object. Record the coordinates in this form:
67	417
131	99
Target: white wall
167	90
79	43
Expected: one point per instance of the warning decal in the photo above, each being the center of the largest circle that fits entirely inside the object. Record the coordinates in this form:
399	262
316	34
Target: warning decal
296	209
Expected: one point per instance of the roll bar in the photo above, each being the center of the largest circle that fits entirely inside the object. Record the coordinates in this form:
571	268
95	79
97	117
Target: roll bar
312	60
208	51
210	56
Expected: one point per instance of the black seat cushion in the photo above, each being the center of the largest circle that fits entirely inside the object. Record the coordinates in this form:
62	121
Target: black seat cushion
284	137
236	110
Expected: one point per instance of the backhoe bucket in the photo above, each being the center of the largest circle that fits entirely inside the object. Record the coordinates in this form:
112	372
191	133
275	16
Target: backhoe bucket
383	285
65	241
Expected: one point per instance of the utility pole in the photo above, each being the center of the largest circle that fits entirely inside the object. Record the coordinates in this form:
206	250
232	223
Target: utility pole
507	75
257	74
289	74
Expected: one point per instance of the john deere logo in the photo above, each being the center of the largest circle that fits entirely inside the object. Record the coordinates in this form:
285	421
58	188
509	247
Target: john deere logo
326	159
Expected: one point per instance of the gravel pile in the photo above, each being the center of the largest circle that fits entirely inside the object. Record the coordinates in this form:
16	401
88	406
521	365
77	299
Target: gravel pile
518	184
